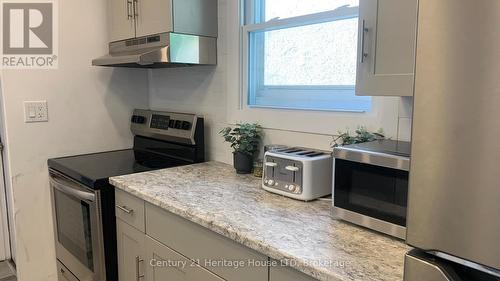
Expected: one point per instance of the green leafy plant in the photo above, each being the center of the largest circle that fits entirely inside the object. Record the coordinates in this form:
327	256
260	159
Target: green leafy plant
244	138
361	134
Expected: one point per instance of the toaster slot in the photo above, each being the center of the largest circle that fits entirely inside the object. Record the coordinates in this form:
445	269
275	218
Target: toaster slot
314	154
291	150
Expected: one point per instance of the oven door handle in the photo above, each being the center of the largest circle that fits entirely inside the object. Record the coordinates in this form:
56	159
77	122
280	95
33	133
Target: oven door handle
67	188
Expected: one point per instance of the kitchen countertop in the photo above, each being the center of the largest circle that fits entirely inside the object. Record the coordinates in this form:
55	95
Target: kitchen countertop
212	195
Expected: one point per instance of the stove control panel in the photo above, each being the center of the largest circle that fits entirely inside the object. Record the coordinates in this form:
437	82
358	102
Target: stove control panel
179	127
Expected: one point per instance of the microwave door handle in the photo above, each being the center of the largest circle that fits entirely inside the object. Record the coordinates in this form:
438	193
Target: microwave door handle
88	196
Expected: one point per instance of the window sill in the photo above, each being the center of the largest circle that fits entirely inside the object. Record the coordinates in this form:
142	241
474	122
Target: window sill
305	109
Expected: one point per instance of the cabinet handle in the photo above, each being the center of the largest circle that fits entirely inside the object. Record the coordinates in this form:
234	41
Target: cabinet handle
129	9
136	10
364	30
125	209
138	276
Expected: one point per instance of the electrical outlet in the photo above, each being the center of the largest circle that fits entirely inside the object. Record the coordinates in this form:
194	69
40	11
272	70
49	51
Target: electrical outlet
36	111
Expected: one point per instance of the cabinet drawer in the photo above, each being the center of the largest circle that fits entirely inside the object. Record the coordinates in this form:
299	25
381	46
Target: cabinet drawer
203	245
130	209
165	264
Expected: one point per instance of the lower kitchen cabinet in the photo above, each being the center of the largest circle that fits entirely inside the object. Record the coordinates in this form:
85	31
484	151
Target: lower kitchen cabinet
280	273
166	264
131	252
213	251
171	248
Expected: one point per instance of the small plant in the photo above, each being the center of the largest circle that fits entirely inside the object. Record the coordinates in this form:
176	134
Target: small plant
361	135
244	138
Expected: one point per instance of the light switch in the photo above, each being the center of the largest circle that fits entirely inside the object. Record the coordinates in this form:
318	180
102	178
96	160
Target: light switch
35	111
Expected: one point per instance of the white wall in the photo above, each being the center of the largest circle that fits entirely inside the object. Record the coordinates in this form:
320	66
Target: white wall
215	93
89	111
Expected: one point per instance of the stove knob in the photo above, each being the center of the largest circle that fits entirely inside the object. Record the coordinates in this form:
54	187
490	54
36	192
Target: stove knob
186	125
297	189
178	124
138	119
270	182
291	187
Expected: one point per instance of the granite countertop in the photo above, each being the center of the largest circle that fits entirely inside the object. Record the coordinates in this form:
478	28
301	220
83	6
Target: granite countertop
213	195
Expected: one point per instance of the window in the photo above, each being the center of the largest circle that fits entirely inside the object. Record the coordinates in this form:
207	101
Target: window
302	54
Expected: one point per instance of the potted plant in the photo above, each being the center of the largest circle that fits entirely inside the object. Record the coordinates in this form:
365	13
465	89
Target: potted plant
361	135
245	140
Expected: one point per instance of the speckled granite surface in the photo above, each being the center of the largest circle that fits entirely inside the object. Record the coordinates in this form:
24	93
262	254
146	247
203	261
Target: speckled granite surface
214	196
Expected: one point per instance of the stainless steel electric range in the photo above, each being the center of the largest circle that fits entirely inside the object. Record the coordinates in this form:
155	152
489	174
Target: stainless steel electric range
83	200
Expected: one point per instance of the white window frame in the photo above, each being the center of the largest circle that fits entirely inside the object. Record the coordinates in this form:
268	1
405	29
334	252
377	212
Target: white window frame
288	126
273	92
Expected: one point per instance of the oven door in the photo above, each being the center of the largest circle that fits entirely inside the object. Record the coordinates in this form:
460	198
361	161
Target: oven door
372	196
77	226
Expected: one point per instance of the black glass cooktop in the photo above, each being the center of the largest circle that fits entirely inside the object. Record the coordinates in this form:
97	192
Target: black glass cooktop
93	170
393	147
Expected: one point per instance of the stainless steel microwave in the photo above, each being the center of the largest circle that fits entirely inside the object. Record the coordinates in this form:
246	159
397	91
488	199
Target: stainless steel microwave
370	185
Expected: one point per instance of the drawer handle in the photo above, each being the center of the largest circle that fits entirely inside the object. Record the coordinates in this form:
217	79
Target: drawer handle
125	209
271	164
292	168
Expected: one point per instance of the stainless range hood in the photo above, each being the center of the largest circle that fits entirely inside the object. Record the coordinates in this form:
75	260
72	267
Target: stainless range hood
161	51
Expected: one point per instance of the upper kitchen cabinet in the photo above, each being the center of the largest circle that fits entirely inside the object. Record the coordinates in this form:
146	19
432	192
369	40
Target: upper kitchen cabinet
138	18
121	20
386	47
153	16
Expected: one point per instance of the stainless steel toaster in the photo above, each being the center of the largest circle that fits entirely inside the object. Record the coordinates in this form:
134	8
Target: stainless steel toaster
297	172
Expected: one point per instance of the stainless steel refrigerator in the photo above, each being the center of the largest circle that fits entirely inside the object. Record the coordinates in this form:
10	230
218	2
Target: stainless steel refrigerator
454	196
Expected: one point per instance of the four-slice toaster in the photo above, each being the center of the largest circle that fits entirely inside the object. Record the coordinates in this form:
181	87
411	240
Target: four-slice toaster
297	172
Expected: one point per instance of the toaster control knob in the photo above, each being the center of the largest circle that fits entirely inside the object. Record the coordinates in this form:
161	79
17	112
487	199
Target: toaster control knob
291	187
270	182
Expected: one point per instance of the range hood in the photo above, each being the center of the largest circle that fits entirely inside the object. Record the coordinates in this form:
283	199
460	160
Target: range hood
161	51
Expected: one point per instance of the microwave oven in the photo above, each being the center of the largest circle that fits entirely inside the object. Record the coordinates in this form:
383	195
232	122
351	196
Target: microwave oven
370	185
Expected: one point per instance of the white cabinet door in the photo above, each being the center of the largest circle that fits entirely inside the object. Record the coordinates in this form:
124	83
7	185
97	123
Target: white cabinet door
131	253
167	265
386	47
153	16
121	20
